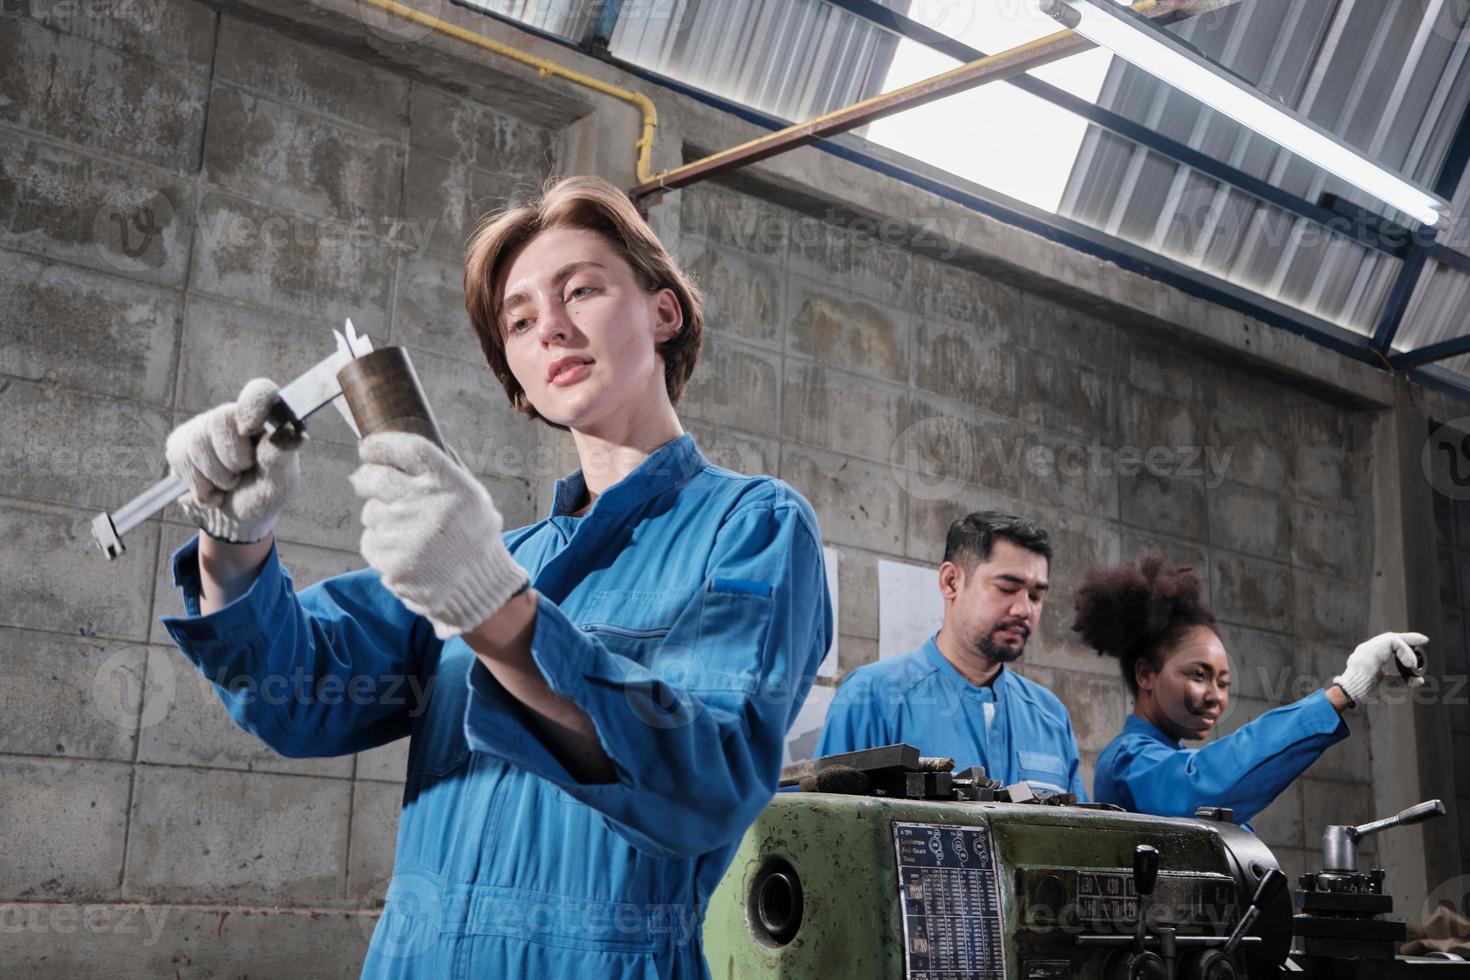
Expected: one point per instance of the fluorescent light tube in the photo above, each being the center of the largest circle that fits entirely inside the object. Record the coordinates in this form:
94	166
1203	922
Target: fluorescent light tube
1152	50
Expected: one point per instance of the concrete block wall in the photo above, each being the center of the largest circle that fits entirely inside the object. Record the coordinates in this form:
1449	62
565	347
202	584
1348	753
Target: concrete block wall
189	197
1452	540
898	390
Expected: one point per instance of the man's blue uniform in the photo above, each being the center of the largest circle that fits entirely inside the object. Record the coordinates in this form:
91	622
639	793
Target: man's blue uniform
1015	728
1146	771
686	613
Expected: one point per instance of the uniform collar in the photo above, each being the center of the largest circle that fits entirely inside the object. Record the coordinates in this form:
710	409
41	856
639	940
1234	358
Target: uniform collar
667	466
1142	726
996	688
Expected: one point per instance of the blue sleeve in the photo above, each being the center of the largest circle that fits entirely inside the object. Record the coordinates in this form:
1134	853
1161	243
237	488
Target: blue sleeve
1075	785
855	719
696	732
1244	771
336	668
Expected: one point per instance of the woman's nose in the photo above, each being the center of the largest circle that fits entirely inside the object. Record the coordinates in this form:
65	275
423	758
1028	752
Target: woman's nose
554	326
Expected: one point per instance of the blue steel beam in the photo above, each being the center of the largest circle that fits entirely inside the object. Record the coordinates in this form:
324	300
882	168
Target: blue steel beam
1434	352
1445	185
1397	302
599	36
1448	256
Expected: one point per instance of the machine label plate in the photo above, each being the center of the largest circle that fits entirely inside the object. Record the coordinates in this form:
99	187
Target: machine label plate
951	905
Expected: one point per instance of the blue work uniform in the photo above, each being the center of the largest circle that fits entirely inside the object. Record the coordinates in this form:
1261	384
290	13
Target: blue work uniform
686	613
1017	729
1146	771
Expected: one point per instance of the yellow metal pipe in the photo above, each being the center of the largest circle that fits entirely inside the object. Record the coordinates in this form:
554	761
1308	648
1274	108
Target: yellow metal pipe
643	145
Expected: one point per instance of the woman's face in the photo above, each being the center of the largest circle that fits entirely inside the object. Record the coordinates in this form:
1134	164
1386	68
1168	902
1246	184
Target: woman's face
1192	689
580	331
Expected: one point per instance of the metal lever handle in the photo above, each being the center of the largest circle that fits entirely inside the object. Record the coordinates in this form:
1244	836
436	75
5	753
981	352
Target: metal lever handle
1145	877
1414	814
1271	884
1340	844
1145	869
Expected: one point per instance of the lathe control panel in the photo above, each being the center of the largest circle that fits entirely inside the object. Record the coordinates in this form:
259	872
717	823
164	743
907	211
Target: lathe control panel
1053	897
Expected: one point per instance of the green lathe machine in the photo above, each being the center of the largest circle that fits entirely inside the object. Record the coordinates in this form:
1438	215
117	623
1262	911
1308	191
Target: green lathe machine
886	866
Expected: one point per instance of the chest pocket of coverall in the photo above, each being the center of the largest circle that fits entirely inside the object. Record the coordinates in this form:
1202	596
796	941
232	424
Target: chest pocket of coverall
632	624
706	641
439	747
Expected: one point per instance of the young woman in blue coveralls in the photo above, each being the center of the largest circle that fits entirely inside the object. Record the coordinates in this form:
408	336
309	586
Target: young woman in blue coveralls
609	688
1151	618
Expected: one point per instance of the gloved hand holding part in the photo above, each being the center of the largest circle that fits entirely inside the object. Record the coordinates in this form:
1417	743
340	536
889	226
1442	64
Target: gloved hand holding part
432	532
1365	666
238	484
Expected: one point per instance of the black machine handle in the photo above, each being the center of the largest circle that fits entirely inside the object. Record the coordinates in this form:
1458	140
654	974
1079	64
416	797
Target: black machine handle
1145	869
1272	882
1145	877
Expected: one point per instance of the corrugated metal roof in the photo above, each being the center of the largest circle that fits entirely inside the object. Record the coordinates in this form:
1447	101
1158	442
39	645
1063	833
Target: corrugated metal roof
1386	76
1390	77
567	18
791	58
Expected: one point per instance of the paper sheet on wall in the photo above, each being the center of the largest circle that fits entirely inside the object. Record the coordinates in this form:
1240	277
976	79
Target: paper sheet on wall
910	607
801	741
828	666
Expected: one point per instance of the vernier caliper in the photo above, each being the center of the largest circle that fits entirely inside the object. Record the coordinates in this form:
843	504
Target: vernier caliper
315	389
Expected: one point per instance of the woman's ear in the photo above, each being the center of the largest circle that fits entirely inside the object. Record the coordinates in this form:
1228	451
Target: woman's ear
1143	675
668	316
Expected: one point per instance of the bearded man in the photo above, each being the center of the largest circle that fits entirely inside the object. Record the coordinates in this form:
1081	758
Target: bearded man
954	696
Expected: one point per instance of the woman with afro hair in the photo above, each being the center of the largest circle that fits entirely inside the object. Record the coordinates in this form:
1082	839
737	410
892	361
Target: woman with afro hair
1150	616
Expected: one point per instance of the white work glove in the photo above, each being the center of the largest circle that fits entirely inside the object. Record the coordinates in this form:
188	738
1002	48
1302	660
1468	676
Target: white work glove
237	488
1365	666
432	533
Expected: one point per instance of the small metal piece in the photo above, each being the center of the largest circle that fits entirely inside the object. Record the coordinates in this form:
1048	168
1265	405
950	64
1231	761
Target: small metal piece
354	346
314	389
104	532
1220	814
1062	13
108	529
1022	793
384	394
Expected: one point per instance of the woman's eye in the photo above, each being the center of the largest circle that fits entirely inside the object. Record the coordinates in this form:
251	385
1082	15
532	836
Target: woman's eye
583	291
517	326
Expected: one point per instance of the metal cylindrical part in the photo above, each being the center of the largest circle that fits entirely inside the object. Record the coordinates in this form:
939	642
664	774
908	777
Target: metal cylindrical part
384	395
1339	849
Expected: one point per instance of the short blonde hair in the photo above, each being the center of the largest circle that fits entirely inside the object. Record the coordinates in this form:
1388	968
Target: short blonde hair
591	204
